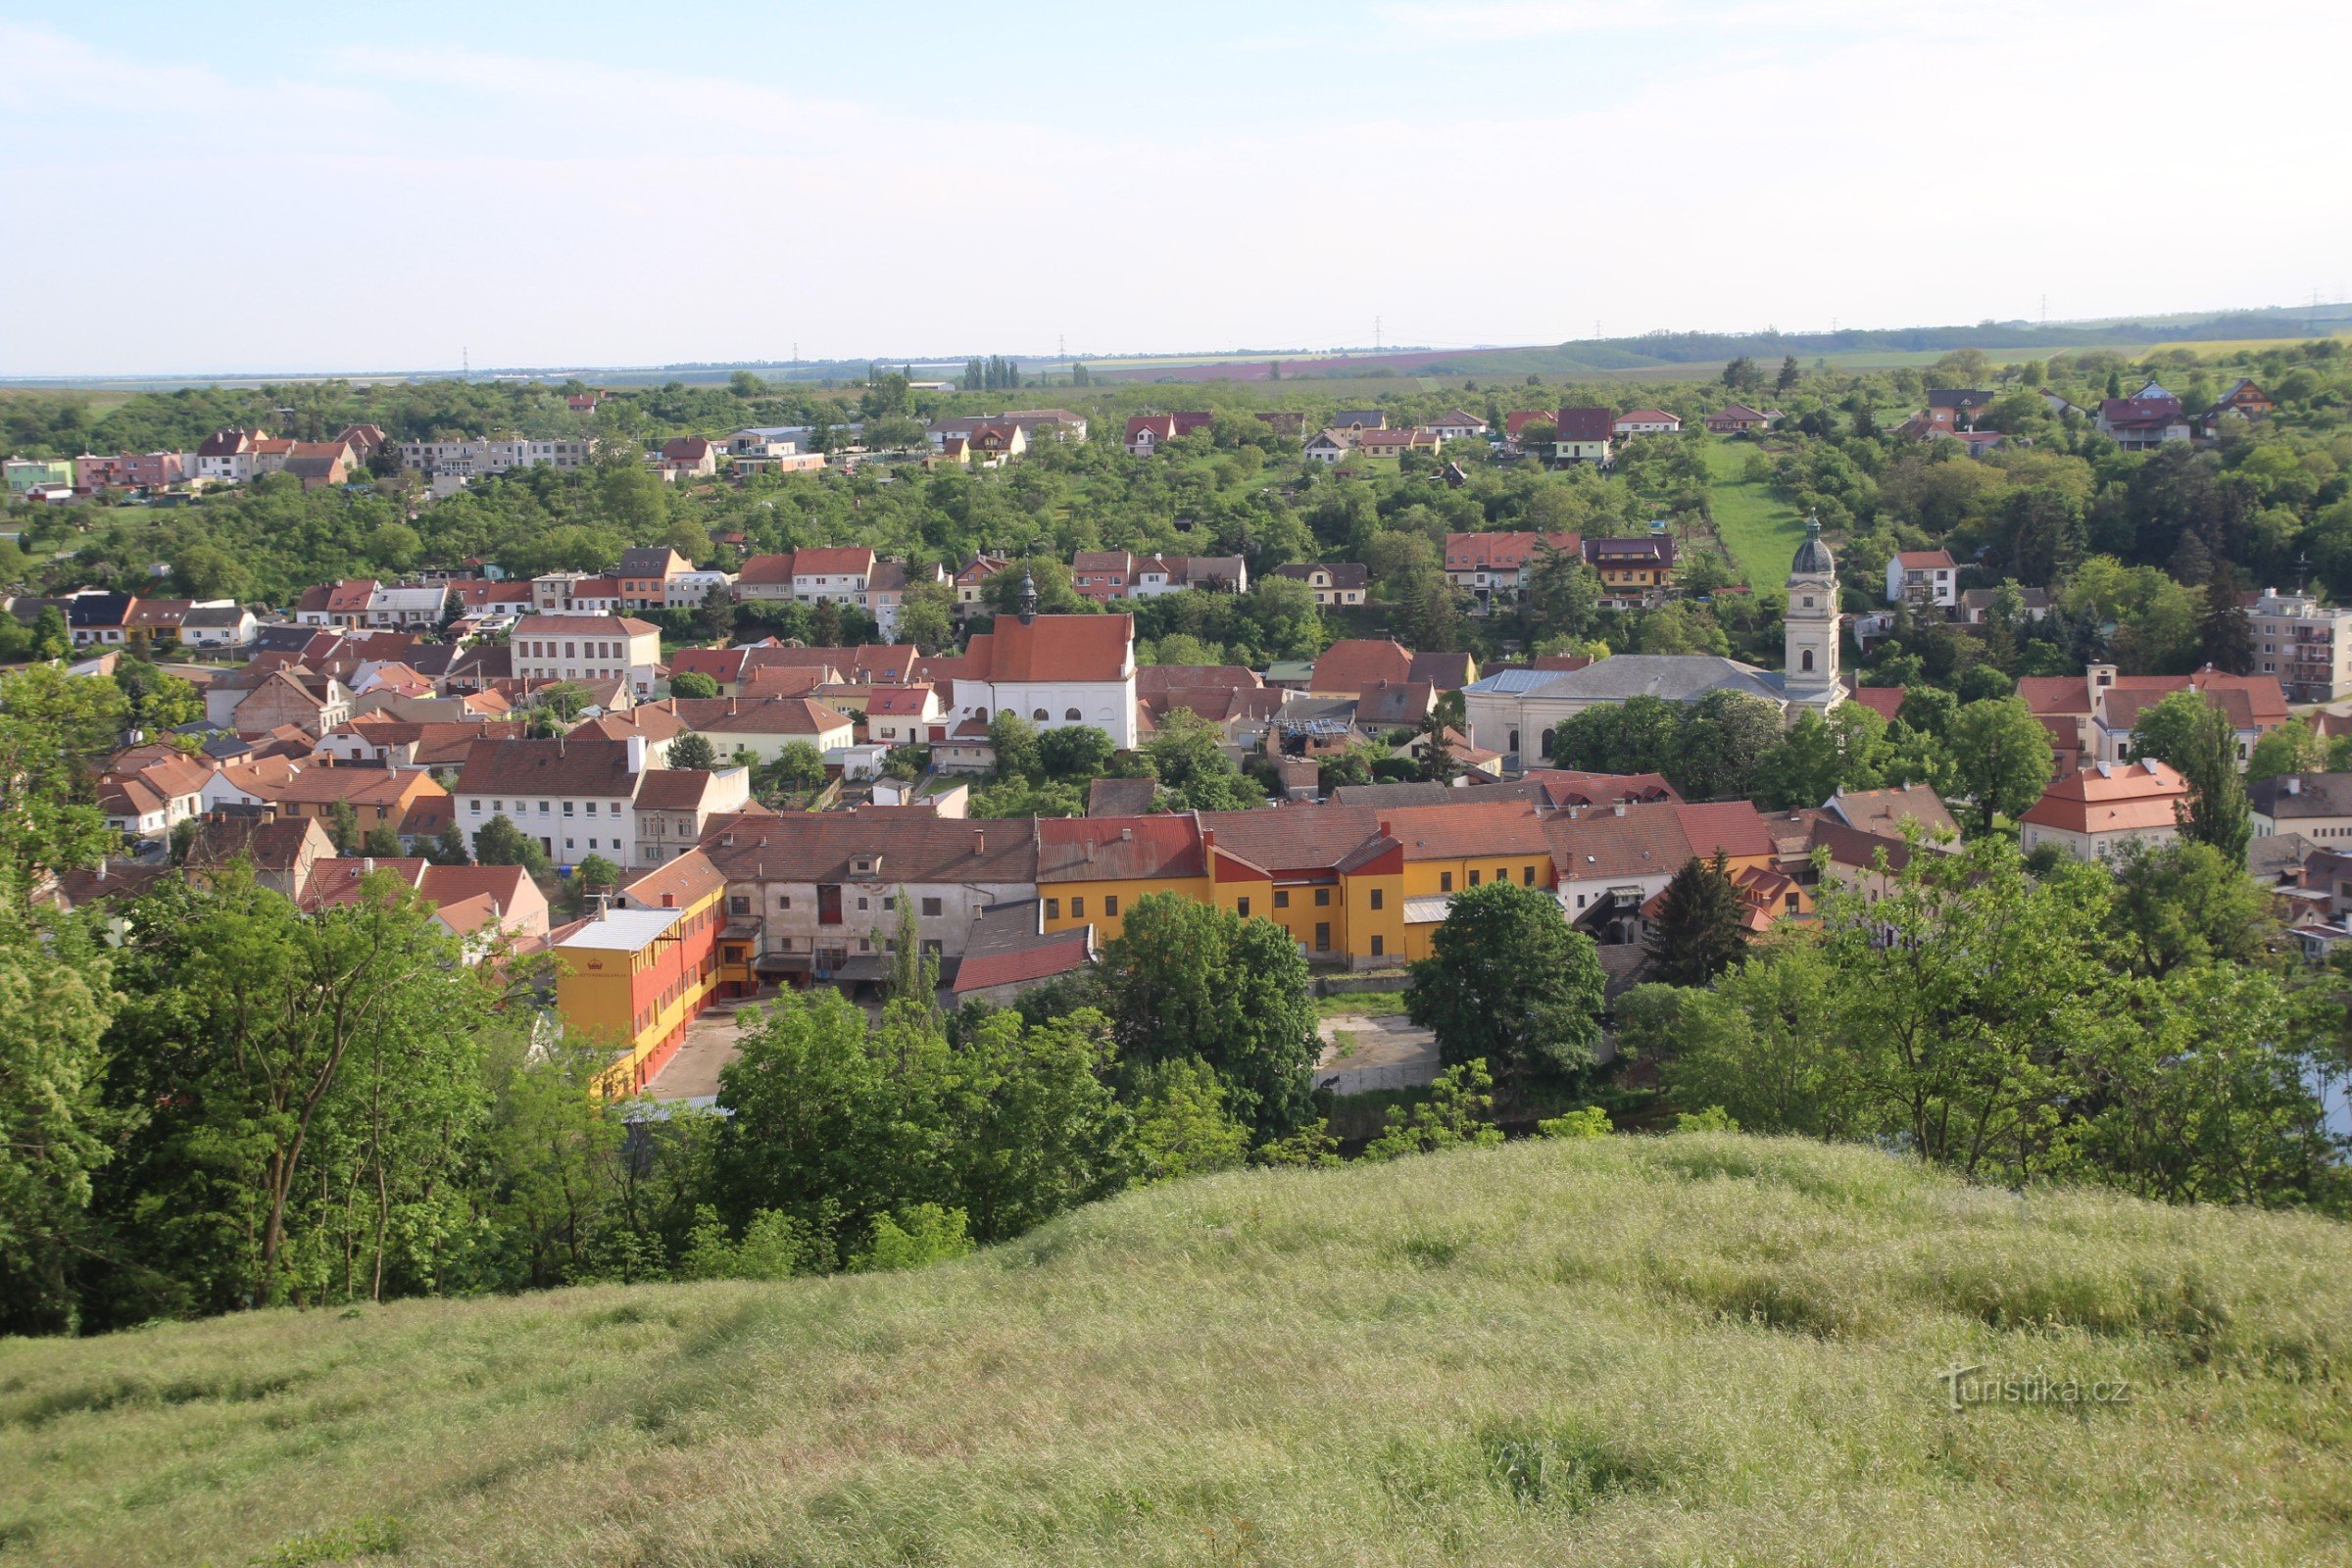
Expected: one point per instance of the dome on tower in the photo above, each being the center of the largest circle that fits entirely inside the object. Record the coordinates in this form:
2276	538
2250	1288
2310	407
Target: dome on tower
1813	557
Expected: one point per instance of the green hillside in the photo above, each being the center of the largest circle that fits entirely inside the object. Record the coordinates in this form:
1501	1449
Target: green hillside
1760	529
1685	1349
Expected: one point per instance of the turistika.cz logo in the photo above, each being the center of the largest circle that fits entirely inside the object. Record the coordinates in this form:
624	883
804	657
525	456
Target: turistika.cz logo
1964	1386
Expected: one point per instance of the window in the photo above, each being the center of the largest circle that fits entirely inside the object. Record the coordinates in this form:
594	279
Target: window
1474	876
568	808
474	806
498	805
1282	897
931	906
1073	715
739	904
1527	875
1053	908
890	901
862	902
1808	660
1376	904
1444	881
1240	906
1110	904
542	808
1379	947
1041	715
568	844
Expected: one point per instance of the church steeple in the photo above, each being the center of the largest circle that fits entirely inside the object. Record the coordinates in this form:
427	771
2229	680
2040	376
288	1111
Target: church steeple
1028	601
1810	627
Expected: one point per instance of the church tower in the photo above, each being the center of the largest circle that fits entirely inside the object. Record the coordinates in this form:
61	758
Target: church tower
1811	627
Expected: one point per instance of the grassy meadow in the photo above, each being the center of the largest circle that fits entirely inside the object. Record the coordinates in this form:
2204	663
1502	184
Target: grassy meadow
1637	1350
1760	529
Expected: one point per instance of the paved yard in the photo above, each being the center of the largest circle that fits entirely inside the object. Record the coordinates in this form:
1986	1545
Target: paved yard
693	1073
1382	1051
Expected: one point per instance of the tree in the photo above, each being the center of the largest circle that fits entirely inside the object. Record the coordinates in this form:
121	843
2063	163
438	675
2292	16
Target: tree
50	723
1459	1112
2000	757
1076	752
797	767
2227	631
1181	1126
499	842
1764	1045
448	847
1015	741
2184	903
691	683
55	1001
384	842
927	617
2291	748
2207	756
1701	929
692	751
1785	382
1186	979
1508	983
1563	594
343	826
596	874
1724	747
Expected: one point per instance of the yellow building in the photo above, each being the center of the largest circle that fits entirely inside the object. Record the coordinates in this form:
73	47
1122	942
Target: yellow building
634	977
1090	870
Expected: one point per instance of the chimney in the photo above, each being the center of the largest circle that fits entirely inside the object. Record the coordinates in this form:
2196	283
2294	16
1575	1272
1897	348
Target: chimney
979	843
637	753
1618	810
1126	835
2294	783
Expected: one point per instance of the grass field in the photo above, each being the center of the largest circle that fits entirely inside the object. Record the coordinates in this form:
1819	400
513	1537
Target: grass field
1759	529
1639	1350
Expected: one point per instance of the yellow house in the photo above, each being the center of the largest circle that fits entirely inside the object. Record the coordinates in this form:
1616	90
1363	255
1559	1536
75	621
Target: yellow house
1090	870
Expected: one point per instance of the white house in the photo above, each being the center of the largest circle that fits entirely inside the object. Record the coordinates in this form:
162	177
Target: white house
588	648
1646	422
1923	577
408	606
225	625
573	797
836	574
691	589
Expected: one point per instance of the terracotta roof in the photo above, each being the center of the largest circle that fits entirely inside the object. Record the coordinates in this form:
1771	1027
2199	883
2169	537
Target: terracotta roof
784	680
1055	648
1886	811
751	715
1647	417
684	881
2129	798
1120	797
1883	701
1005	947
722	665
275	846
1448	672
652	720
1293	838
1353	664
1477	827
1925	559
584	626
361	785
832	561
770	571
672	789
336	879
899	700
1568	786
1118	849
1504	551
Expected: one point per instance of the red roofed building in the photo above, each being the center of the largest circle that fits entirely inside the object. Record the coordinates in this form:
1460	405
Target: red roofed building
1353	666
2101	707
1923	577
2093	811
1493	566
1055	670
1147	433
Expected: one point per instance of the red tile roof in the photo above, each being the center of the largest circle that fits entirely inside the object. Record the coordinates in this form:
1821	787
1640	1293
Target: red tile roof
2132	796
1115	849
1053	647
1354	663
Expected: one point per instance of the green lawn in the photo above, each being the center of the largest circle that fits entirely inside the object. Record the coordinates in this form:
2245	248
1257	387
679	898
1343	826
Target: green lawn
1683	1349
1759	529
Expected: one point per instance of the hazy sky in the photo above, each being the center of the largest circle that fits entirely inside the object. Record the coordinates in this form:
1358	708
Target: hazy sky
199	188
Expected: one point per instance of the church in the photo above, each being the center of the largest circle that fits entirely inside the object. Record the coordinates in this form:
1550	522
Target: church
1054	670
1515	711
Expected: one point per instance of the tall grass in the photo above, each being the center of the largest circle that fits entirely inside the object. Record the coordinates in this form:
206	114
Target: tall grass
1759	529
1687	1349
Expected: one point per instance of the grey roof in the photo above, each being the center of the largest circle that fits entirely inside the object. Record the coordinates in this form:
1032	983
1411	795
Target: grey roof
1509	683
214	616
1813	557
2271	855
1432	793
1676	677
2314	795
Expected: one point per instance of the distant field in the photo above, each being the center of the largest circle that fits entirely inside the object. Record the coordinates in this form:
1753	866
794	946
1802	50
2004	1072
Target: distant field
1758	528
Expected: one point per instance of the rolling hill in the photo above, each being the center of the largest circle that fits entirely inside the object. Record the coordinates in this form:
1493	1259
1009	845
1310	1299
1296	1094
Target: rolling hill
1683	1349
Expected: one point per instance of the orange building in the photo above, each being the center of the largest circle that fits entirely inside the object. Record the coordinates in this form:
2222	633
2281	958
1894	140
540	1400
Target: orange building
637	975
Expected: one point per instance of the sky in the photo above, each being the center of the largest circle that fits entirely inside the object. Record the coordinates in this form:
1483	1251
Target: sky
281	188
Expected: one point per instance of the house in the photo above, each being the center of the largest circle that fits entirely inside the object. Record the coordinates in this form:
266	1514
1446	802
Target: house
2149	417
282	852
422	606
1154	575
2244	401
1646	422
477	904
971	577
1458	424
310	703
1923	577
156	623
1953	408
1361	419
126	470
2306	644
691	589
886	588
1516	423
1333	582
1888	810
228	456
831	574
1090	870
377	796
1444	672
1355	665
1609	862
765	579
100	620
1582	435
2318	805
1632	572
1147	433
319	464
687	456
575	798
821	895
336	604
992	446
588	648
1395	443
1975	604
675	806
761	725
1736	419
222	627
644	574
1498	566
2092	717
1054	670
1331	447
2094	811
1102	575
468	457
901	715
153	797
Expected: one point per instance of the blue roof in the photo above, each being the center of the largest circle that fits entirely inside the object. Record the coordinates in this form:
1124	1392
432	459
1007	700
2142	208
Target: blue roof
1509	683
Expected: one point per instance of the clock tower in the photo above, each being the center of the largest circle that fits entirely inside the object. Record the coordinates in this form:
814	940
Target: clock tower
1811	626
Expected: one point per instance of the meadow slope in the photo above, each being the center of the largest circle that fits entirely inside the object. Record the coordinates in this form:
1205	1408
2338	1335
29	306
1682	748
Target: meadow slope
1683	1349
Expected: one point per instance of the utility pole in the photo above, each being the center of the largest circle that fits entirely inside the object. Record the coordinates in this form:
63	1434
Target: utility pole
464	363
2046	310
1376	335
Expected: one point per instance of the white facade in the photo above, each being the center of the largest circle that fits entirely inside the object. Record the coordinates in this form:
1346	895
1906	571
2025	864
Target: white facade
1108	705
408	606
568	828
498	455
1923	577
688	590
587	648
2306	644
